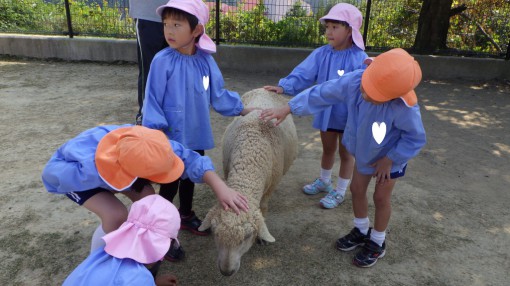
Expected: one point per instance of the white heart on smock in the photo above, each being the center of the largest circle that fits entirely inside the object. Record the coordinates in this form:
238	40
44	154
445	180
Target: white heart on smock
340	72
205	81
379	131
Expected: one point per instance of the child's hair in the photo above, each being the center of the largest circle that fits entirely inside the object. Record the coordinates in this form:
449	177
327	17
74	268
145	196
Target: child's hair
343	23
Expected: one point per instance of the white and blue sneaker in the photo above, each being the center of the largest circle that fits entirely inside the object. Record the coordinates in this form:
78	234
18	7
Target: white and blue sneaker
317	186
332	200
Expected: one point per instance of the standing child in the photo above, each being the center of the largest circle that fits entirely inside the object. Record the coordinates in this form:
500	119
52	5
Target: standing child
344	53
384	131
184	81
140	242
90	168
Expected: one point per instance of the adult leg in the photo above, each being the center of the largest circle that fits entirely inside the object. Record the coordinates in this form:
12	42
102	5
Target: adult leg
150	40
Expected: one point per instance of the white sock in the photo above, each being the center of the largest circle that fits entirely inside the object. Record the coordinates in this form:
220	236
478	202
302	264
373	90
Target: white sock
341	186
362	224
377	236
97	238
326	175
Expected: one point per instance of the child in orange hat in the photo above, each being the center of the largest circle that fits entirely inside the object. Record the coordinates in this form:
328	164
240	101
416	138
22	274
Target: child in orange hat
100	162
343	53
384	131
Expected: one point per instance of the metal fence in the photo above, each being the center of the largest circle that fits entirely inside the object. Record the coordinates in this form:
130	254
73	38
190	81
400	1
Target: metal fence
482	30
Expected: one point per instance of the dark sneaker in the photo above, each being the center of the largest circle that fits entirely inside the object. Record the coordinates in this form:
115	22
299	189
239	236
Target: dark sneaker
175	253
369	254
352	240
154	269
192	223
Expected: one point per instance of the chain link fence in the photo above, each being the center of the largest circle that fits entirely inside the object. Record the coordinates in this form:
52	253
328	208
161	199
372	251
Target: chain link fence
481	30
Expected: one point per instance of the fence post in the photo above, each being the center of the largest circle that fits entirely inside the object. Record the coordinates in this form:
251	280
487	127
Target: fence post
217	22
367	21
68	16
507	58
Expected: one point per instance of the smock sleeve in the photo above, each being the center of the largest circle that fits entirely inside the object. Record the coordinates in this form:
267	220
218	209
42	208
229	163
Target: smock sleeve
223	101
412	138
195	165
152	110
302	76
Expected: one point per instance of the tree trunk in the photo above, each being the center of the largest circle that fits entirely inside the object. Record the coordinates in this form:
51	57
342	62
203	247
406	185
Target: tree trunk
433	26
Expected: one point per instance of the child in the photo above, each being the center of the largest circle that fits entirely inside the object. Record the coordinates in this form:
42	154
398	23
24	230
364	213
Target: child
344	53
143	239
384	131
99	162
184	81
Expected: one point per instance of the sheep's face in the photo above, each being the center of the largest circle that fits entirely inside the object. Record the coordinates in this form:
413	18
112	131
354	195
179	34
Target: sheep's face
234	235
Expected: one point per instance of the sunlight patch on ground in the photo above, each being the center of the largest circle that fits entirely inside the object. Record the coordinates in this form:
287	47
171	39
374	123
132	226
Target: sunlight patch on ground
463	118
501	148
438	216
12	63
264	263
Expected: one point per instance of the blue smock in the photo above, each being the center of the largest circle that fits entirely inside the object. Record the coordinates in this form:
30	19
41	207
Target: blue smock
72	168
404	136
323	64
100	268
180	90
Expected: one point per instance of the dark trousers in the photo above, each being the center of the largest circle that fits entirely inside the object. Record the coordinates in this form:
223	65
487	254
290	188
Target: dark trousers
150	39
186	189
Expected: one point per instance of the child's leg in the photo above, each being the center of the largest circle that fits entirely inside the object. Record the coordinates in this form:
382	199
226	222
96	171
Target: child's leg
329	145
168	191
382	201
346	168
359	187
110	210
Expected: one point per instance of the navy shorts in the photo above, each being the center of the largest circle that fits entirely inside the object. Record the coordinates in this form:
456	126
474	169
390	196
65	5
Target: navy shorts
335	130
398	174
81	197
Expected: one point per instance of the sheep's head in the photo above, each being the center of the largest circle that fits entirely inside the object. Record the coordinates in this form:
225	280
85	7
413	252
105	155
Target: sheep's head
234	235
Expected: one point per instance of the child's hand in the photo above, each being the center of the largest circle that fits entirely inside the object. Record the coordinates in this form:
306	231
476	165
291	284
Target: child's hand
230	199
277	89
279	113
166	280
382	170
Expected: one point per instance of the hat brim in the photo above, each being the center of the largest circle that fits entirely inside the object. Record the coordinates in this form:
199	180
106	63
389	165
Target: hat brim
139	244
112	173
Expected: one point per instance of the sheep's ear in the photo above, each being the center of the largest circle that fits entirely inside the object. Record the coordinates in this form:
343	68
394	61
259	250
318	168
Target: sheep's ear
206	223
264	234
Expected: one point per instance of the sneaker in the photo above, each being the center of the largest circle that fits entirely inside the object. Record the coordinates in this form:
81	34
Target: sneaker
175	253
369	254
332	200
352	240
192	223
317	186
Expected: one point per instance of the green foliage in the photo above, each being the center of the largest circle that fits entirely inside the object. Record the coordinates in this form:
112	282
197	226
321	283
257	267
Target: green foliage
483	27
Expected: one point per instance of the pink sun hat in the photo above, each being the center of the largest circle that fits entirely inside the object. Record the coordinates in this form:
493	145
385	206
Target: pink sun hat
198	9
146	235
347	13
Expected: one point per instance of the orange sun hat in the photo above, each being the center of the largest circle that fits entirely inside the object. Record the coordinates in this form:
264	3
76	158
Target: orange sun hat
391	75
128	153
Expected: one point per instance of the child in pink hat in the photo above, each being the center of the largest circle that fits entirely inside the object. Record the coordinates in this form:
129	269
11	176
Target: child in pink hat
183	83
343	54
141	241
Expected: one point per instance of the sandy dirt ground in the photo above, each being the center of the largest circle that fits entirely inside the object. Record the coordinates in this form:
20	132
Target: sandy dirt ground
450	223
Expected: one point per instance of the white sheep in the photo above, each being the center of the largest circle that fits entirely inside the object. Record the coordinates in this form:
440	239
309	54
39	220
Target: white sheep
255	157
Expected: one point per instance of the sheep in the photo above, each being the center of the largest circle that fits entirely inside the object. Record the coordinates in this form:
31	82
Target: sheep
255	157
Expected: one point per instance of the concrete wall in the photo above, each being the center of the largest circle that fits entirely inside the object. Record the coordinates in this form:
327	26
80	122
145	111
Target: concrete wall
255	59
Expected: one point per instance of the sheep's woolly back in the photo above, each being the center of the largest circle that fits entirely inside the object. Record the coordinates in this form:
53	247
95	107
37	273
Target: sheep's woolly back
256	155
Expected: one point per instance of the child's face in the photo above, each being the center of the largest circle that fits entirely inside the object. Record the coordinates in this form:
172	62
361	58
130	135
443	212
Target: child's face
338	35
179	36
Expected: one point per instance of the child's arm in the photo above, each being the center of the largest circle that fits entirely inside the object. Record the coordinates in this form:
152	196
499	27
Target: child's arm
227	197
200	169
318	97
152	109
303	75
